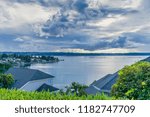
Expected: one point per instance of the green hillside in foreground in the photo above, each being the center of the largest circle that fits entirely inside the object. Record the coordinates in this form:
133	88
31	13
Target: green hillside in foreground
22	95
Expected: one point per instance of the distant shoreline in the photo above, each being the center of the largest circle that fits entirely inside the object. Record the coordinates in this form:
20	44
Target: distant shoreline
77	54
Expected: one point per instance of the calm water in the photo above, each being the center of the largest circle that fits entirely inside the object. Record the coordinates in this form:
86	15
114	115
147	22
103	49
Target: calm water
85	69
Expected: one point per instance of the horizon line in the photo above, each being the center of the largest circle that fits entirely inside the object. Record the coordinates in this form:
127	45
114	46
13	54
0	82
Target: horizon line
74	52
81	54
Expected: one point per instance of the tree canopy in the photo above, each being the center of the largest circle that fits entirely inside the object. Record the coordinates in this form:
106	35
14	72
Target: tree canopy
76	88
133	82
6	80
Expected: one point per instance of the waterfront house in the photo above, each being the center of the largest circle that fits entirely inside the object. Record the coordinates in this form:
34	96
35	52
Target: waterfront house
102	85
31	79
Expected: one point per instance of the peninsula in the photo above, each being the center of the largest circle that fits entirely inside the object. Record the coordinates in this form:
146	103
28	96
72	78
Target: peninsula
19	60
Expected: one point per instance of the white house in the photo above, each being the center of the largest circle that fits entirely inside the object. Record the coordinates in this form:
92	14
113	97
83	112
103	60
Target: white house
31	79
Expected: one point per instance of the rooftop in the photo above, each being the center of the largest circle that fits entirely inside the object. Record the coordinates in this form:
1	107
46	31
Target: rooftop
24	75
46	87
102	85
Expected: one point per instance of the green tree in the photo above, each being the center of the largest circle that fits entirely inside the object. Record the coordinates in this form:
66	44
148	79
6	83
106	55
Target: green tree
133	82
4	67
6	80
4	56
76	88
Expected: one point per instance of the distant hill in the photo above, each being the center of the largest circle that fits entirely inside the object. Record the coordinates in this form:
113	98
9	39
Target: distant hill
77	54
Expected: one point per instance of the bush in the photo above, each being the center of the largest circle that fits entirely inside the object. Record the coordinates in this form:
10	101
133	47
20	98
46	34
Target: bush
6	94
6	80
4	67
76	88
133	82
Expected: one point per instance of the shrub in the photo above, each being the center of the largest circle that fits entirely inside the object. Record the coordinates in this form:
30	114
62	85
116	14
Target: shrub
133	82
4	67
6	94
6	80
76	88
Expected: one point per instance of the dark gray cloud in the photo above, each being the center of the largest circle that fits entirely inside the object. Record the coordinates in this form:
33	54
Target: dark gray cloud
76	14
41	2
121	42
107	10
80	6
73	15
138	38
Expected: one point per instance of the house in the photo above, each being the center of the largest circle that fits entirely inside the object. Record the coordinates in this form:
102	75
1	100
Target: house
102	85
46	87
31	79
147	59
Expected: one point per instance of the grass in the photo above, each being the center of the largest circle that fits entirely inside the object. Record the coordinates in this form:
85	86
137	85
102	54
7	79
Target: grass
6	94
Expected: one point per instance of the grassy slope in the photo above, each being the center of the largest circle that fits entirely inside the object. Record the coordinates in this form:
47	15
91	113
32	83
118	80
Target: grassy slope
22	95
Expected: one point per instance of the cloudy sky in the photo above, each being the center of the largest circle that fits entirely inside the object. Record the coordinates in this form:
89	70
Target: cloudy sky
75	25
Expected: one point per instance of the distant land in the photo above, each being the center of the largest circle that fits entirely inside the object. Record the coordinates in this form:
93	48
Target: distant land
77	54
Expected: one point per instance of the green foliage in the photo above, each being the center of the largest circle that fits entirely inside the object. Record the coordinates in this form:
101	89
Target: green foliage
3	56
133	82
6	80
76	88
4	67
6	94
